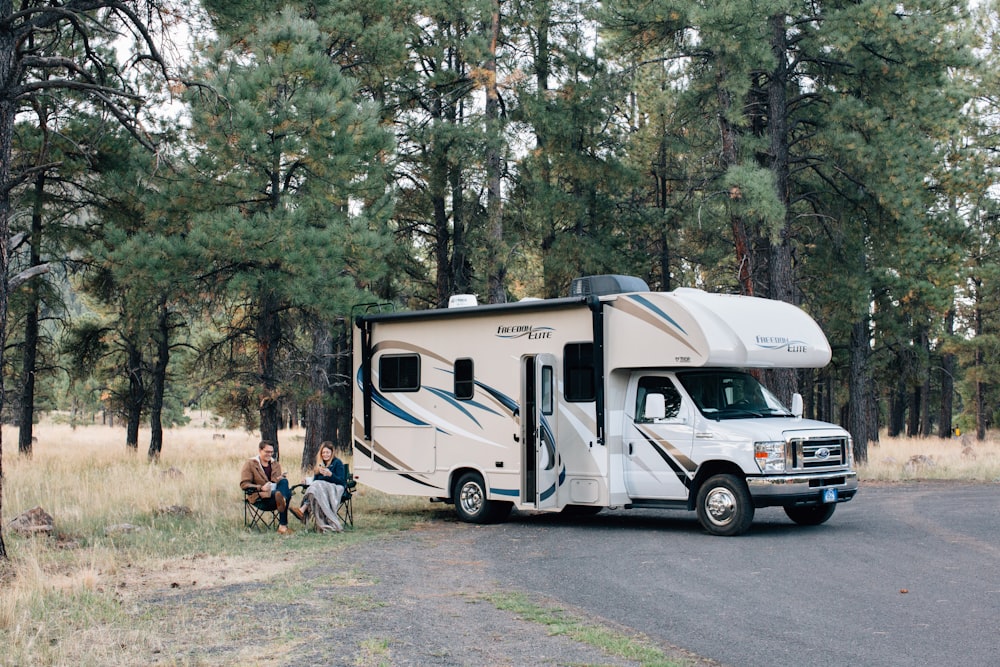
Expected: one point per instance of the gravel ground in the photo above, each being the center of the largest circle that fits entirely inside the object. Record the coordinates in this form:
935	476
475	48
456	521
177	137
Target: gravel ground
413	598
421	603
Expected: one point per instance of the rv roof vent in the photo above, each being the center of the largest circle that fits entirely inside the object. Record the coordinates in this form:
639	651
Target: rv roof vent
602	285
462	300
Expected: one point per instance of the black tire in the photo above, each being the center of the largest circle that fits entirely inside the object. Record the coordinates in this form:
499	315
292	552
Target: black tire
581	510
724	505
810	515
471	503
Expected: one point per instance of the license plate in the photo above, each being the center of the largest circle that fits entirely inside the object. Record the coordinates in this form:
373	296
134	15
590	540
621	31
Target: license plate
829	495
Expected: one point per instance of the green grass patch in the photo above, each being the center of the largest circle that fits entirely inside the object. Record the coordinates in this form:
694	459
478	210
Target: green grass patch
558	622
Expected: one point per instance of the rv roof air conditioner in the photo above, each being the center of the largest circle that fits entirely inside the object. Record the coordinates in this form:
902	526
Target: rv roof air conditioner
462	301
604	285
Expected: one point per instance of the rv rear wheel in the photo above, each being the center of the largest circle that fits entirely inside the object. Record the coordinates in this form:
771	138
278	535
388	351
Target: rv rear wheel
724	505
471	503
810	515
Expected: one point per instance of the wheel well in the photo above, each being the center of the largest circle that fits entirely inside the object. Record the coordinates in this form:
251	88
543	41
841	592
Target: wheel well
709	469
456	475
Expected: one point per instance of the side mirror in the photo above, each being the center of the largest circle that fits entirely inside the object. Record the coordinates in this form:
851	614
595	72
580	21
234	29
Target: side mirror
797	405
656	407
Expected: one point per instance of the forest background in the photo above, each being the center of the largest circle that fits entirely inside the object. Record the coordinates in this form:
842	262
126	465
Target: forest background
194	197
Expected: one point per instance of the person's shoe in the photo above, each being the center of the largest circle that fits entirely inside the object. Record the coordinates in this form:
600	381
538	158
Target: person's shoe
284	530
299	514
279	502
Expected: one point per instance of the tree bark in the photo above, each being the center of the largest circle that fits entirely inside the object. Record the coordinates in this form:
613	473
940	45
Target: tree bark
977	363
268	335
947	382
9	78
342	390
859	388
159	380
730	157
136	397
497	279
317	409
29	361
783	381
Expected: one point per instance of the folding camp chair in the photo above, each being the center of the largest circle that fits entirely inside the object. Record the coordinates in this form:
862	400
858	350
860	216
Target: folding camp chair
260	514
345	511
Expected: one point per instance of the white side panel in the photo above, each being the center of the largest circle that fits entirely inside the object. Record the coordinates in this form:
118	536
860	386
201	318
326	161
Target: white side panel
414	445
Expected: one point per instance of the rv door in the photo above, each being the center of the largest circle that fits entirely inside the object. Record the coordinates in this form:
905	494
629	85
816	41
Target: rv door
540	483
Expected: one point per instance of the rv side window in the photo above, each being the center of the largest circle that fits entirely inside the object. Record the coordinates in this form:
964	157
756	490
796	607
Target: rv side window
465	382
546	399
579	372
399	372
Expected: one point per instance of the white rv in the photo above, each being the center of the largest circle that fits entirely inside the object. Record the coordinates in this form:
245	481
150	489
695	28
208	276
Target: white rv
613	397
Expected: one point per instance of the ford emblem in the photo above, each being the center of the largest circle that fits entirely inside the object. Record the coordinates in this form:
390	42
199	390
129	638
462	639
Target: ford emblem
823	453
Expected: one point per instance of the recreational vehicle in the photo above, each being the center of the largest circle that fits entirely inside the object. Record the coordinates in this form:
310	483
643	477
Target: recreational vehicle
612	397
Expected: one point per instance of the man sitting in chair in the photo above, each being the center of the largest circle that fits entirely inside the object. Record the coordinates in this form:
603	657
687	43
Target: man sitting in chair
264	475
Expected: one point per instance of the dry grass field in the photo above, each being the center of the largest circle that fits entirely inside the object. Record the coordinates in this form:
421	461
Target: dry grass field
125	528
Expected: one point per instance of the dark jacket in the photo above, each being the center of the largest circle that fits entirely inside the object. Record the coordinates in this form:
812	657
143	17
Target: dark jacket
338	474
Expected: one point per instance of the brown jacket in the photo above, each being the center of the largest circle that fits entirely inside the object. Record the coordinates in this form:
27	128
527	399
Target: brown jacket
252	476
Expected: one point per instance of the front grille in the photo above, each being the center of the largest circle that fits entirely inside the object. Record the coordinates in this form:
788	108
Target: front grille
818	453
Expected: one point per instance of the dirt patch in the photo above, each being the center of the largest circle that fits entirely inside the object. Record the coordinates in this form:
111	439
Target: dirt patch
407	599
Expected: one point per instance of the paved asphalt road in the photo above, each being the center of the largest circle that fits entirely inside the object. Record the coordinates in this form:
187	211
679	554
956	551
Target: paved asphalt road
901	575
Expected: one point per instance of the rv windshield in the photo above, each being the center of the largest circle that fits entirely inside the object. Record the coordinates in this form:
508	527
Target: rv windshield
724	394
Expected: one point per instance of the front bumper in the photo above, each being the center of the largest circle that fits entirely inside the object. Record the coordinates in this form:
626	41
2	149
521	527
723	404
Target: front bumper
801	489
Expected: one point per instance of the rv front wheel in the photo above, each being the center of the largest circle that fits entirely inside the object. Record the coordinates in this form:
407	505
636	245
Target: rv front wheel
724	505
471	502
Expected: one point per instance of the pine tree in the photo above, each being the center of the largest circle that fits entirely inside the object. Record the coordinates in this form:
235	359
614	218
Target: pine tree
290	199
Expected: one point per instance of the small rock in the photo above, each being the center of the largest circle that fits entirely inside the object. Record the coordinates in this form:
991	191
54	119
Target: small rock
173	510
35	521
919	461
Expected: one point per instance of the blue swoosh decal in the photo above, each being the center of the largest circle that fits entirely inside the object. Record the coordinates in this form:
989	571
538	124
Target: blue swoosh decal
646	302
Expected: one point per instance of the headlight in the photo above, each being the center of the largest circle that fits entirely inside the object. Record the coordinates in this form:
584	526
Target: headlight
770	456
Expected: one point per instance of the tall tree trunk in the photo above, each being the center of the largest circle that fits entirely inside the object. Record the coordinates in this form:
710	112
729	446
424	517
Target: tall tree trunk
442	233
136	398
897	408
497	278
859	388
460	275
268	335
340	423
8	110
925	405
913	414
159	380
29	360
783	381
947	382
977	363
729	139
317	408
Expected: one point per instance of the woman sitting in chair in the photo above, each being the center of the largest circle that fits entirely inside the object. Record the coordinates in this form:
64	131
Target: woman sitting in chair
322	497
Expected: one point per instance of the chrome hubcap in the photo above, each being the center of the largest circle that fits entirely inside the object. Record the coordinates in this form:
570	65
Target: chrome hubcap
721	506
471	498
